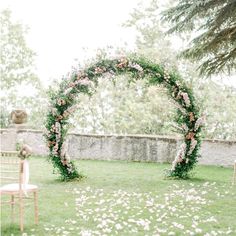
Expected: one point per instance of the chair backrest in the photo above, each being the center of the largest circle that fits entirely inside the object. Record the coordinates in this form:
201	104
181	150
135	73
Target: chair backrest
12	168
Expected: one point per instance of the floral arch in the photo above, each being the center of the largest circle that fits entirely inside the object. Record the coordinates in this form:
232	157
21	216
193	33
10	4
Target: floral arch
64	100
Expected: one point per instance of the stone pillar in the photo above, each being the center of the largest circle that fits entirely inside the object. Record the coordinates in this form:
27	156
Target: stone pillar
8	140
9	136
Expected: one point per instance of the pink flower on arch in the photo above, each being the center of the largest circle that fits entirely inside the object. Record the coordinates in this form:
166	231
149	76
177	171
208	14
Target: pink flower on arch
179	156
186	99
99	70
192	146
84	82
61	102
200	121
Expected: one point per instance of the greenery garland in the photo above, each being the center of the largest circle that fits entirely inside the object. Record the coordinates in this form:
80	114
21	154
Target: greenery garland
64	100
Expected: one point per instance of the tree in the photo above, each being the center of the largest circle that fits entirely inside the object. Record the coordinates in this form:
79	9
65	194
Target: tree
214	24
17	71
151	40
124	108
134	109
16	57
218	104
217	101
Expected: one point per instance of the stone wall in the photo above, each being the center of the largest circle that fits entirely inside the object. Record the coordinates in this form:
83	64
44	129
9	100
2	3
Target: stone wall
34	138
116	147
127	147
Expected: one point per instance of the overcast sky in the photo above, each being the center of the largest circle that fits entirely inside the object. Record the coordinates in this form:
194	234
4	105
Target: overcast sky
60	30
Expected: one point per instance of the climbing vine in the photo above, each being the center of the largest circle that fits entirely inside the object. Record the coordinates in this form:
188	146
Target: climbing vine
63	103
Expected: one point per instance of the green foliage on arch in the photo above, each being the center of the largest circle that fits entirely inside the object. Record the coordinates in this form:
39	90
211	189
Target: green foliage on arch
63	103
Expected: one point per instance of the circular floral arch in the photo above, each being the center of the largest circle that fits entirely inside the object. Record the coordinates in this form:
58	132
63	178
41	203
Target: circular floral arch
64	100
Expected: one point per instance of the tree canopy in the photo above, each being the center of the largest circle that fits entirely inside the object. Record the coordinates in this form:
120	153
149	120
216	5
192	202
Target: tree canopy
16	57
214	24
135	108
17	71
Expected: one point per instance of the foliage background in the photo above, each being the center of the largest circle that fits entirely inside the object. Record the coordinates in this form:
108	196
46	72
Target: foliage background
121	109
20	85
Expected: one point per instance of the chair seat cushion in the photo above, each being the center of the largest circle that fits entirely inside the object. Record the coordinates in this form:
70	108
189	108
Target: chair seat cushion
15	188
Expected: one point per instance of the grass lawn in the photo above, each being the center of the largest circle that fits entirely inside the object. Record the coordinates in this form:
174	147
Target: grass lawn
127	198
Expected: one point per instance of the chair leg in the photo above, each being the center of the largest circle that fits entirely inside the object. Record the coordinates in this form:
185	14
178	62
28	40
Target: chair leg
21	214
12	207
36	217
234	176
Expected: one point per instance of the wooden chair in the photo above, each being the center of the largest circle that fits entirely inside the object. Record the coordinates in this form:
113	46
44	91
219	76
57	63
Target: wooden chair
14	171
234	175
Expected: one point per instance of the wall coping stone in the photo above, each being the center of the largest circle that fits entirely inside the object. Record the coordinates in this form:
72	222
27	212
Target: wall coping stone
118	136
